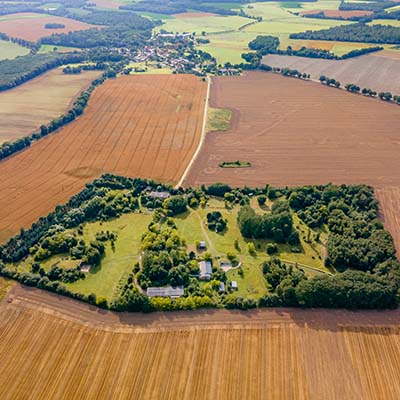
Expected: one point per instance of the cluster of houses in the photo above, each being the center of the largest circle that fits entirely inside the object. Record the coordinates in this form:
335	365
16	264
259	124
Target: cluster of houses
166	55
205	273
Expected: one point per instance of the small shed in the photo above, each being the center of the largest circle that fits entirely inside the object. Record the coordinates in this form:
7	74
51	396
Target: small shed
205	270
165	291
234	285
202	246
222	287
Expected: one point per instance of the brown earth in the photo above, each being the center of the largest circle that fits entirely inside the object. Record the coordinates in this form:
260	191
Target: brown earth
53	94
138	126
389	199
55	348
30	26
379	71
338	13
296	133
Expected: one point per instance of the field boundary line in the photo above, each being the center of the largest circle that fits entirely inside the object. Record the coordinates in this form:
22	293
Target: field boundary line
202	137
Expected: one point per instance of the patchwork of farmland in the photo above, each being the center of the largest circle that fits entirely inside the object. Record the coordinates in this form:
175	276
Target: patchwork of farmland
265	354
296	133
53	94
379	71
147	126
31	26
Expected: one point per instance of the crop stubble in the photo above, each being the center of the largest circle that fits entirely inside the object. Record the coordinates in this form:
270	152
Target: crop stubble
138	126
54	92
263	354
379	71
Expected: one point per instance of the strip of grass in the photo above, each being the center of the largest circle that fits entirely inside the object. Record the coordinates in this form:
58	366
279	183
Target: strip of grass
218	119
5	287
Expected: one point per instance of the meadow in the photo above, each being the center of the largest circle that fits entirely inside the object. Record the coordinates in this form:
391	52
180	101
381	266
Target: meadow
10	50
229	36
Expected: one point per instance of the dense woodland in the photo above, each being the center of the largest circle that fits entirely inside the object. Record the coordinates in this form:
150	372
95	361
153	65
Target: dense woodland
359	32
360	251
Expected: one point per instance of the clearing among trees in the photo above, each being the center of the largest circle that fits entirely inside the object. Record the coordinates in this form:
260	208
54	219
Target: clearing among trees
147	126
378	71
266	354
31	26
53	94
296	133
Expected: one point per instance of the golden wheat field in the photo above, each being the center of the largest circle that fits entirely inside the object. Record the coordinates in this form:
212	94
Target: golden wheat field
46	353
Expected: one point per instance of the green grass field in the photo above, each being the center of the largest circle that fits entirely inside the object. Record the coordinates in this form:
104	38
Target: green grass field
150	69
116	265
218	119
48	48
228	42
208	24
391	22
10	50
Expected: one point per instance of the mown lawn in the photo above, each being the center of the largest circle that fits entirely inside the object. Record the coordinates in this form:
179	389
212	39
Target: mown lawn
117	264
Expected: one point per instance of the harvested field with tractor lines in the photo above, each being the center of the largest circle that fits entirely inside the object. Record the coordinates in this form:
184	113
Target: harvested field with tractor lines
138	126
298	133
53	92
78	352
378	71
31	26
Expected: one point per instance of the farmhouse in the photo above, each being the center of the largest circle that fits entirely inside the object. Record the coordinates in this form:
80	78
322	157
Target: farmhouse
205	270
165	291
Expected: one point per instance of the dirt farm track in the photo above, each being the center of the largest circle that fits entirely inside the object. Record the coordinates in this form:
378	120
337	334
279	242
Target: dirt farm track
139	126
82	353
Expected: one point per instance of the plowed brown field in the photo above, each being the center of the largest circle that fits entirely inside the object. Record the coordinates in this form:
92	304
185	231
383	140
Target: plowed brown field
53	94
145	126
30	26
265	354
389	199
379	71
295	133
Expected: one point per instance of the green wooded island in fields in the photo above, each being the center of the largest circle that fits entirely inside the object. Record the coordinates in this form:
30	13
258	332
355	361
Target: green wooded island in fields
133	244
